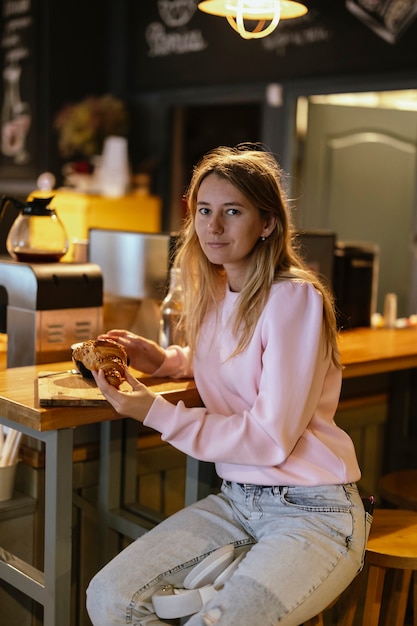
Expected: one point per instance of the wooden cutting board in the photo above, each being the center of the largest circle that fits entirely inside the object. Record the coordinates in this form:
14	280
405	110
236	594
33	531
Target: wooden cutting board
67	389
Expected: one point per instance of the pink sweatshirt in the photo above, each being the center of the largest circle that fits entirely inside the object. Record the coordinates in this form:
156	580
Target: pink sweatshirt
268	412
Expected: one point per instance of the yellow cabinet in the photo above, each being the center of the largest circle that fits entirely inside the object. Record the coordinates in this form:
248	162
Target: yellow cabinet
79	212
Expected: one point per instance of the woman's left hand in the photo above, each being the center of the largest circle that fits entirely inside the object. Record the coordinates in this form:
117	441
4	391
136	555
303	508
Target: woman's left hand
135	403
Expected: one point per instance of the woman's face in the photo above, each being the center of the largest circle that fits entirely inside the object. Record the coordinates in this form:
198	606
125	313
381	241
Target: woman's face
228	226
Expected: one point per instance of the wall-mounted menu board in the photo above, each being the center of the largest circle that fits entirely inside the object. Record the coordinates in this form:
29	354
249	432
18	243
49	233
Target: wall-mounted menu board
18	106
52	53
172	44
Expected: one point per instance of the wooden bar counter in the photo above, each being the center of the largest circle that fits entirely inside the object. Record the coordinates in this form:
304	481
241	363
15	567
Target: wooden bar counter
364	354
378	401
366	351
363	351
19	401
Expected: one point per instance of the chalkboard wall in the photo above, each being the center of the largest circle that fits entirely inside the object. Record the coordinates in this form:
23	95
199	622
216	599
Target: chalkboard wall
172	44
51	53
63	51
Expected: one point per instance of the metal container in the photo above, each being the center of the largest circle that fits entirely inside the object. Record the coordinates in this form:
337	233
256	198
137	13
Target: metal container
135	277
46	307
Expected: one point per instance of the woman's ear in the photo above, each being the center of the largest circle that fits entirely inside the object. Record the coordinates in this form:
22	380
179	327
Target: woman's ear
270	224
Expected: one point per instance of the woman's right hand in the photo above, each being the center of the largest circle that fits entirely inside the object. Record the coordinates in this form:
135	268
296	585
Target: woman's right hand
145	355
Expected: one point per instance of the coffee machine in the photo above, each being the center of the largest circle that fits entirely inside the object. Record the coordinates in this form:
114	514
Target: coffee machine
45	307
45	304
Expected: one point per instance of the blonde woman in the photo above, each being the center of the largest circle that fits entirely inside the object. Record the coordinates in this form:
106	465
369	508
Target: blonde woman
262	349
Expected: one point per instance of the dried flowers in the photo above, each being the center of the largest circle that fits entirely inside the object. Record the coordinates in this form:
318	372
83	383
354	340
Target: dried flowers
83	127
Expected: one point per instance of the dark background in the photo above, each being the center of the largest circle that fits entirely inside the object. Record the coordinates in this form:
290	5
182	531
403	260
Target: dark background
79	48
329	39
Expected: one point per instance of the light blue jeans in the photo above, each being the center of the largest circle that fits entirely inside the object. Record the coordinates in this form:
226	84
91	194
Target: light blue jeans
304	546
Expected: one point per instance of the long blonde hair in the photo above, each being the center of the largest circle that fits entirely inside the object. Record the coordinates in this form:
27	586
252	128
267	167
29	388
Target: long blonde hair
256	173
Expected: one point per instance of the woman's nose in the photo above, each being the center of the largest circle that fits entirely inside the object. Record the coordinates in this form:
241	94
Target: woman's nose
214	225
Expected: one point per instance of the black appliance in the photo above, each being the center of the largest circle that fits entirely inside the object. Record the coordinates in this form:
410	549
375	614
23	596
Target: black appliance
355	283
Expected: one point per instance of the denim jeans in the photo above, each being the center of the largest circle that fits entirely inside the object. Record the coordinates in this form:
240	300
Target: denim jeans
303	545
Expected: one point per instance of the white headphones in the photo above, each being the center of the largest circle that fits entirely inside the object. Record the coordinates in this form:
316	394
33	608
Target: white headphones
200	585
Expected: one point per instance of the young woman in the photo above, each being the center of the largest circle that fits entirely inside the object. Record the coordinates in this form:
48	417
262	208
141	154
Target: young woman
262	349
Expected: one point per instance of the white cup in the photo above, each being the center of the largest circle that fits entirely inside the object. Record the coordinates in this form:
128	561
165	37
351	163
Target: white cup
114	169
7	479
80	250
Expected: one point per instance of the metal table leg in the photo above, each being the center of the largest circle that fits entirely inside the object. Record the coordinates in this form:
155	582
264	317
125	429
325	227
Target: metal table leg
117	482
199	480
52	587
117	512
58	522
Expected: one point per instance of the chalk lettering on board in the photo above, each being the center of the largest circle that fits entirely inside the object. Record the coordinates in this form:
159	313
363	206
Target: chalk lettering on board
302	38
15	113
162	43
175	15
14	7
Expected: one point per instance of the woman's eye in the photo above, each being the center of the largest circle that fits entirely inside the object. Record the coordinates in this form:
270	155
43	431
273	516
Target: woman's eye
204	211
233	211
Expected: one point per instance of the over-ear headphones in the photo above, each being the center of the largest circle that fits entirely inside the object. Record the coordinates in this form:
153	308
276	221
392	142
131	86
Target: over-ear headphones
200	585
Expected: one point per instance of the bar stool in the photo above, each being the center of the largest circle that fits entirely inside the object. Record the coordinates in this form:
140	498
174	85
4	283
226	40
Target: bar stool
390	565
400	489
390	568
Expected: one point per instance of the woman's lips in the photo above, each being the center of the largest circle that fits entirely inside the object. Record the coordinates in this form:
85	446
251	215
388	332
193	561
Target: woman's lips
215	244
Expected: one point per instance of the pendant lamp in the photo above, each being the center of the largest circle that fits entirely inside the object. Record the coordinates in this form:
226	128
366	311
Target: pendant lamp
260	11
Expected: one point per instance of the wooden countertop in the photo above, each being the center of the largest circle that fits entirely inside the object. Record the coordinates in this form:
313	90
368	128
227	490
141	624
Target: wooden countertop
19	403
364	351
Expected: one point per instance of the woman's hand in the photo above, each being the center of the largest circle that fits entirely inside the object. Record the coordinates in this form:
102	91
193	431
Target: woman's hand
145	355
135	403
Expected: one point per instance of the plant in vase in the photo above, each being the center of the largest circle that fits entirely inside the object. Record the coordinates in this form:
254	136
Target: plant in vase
82	129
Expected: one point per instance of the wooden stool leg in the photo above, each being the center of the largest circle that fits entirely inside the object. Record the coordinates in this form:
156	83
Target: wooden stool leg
398	598
350	600
373	597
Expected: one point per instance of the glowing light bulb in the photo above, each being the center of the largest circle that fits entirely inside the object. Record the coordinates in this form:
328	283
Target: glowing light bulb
261	11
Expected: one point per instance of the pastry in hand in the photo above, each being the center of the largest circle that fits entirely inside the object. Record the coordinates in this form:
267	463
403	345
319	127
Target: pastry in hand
102	354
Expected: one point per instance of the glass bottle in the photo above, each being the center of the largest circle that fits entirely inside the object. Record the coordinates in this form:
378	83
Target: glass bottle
169	331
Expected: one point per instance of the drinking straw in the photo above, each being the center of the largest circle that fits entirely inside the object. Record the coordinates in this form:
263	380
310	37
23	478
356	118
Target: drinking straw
8	444
10	448
15	449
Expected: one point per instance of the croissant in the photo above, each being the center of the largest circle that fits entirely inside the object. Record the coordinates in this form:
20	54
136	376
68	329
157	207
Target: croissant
103	354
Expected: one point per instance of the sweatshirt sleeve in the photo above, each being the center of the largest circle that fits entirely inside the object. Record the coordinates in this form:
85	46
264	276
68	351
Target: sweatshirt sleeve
291	375
177	363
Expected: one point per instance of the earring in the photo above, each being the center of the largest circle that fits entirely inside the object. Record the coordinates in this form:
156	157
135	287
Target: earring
263	238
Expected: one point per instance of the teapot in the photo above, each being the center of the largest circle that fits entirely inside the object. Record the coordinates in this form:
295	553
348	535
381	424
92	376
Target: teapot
37	235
